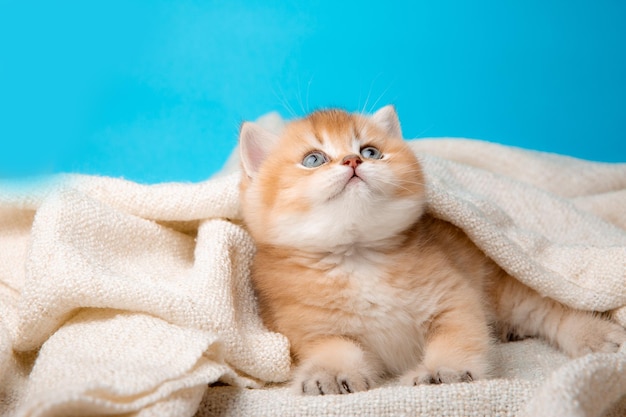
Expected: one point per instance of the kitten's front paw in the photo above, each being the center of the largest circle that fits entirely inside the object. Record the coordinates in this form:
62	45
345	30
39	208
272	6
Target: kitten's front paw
321	381
336	366
441	375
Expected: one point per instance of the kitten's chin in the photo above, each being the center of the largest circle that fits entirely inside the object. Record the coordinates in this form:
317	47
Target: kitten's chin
345	183
352	219
352	186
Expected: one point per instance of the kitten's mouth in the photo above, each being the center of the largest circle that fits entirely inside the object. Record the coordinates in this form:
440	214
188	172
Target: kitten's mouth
353	180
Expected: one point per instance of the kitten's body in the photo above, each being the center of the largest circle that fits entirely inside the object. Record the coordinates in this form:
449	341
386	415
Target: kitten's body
363	282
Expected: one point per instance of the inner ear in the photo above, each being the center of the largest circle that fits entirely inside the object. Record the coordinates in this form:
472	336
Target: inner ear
255	143
387	119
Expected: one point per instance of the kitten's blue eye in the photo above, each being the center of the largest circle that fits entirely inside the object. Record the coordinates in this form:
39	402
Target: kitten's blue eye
314	159
370	152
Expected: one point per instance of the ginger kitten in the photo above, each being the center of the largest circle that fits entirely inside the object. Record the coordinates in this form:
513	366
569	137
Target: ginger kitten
363	282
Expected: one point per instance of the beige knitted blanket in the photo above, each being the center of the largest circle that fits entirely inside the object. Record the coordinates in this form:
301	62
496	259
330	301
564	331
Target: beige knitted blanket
121	298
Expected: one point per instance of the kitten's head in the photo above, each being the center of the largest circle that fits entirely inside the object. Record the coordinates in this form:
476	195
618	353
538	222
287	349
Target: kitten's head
330	180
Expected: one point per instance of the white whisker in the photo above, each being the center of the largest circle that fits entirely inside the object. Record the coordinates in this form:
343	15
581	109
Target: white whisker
394	184
378	99
424	131
283	101
367	99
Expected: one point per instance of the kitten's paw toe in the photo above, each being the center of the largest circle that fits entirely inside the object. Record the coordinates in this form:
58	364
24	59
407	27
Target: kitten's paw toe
336	366
328	382
593	335
610	341
442	375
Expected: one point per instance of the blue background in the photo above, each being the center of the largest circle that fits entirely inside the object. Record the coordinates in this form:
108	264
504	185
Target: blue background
155	91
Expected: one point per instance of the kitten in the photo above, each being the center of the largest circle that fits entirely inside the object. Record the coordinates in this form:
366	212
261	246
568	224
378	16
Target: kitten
363	282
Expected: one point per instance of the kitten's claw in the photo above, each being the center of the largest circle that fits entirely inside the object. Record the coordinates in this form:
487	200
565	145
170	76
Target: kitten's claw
326	382
345	386
423	376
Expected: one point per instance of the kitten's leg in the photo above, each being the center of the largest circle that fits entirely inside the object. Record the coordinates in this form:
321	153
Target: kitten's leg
575	332
335	365
457	348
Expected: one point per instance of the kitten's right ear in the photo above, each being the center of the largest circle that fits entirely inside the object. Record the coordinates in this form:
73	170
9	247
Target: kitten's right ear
387	118
255	144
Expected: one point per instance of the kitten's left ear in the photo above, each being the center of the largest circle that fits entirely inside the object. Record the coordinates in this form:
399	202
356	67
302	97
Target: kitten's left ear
255	144
387	118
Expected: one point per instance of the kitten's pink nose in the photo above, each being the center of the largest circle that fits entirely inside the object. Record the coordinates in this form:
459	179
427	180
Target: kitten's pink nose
352	161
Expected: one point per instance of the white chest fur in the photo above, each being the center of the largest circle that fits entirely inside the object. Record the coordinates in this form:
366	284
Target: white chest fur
388	321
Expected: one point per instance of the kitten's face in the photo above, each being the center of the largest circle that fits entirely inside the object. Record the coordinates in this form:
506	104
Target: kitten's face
330	180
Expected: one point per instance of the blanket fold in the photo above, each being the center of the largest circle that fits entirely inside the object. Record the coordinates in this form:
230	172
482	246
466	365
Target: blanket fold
545	241
122	298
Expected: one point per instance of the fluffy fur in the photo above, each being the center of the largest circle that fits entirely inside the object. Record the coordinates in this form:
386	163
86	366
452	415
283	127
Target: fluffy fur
362	281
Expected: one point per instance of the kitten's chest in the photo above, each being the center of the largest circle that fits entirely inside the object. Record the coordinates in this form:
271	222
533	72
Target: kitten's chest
386	315
370	290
